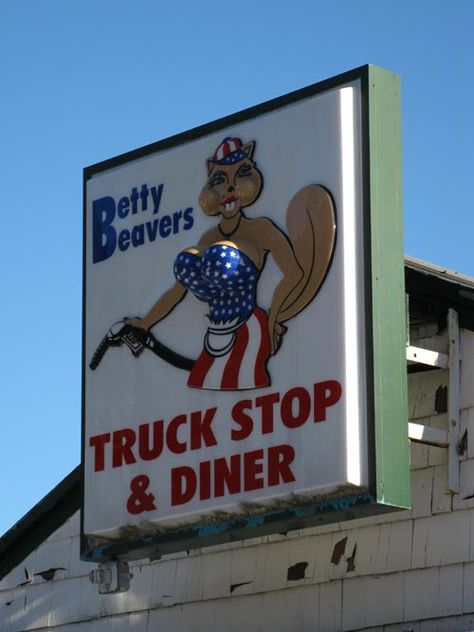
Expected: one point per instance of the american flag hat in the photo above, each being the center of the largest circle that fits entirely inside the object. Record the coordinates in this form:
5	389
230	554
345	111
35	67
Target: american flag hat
229	151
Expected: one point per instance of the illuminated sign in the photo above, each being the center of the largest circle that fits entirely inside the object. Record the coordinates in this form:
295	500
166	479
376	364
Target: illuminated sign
239	279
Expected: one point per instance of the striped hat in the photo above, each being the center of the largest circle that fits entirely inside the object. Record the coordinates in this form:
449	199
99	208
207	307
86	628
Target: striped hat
229	151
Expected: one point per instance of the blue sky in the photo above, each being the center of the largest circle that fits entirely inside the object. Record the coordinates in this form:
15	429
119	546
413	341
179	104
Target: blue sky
84	81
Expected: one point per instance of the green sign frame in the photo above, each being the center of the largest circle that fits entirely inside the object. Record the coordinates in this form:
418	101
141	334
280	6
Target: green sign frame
385	327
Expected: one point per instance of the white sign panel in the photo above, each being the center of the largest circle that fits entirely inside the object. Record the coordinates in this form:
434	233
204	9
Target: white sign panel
231	268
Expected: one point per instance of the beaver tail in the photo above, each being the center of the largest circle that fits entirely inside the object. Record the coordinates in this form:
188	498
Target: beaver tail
311	227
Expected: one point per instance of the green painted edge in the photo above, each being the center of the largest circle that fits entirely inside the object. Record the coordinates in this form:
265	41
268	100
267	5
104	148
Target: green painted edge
392	472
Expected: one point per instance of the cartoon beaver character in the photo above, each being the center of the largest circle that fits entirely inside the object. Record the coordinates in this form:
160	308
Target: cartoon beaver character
224	267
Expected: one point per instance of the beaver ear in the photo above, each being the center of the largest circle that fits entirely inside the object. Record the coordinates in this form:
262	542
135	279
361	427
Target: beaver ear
210	165
249	148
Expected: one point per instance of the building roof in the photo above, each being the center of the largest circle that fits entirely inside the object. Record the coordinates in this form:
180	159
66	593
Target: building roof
40	522
433	289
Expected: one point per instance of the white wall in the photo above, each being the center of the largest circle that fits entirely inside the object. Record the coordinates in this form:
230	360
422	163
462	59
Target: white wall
411	570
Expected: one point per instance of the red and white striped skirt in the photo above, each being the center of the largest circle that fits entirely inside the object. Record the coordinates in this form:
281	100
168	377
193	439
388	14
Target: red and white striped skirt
243	365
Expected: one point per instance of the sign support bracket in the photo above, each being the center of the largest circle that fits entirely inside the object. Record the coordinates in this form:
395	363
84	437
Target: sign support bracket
427	435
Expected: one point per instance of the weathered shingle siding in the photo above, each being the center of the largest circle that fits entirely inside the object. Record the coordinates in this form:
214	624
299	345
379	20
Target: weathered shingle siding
411	570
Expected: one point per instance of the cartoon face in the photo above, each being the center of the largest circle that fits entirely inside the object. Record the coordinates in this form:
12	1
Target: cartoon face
233	182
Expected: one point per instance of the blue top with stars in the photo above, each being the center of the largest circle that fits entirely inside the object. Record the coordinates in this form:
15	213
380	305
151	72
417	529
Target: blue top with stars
224	277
